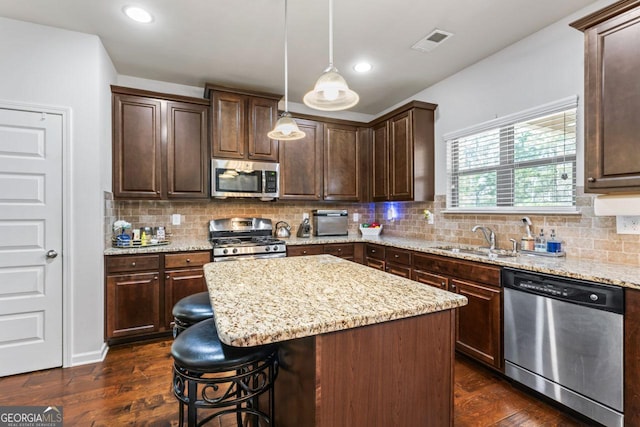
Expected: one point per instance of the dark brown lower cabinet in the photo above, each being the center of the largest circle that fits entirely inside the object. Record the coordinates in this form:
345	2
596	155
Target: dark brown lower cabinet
140	291
133	304
179	284
479	323
478	328
350	251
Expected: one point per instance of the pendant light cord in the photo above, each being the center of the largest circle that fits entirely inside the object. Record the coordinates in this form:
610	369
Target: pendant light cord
331	33
286	61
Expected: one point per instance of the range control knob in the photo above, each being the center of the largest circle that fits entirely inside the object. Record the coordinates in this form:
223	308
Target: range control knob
225	251
593	297
267	248
235	250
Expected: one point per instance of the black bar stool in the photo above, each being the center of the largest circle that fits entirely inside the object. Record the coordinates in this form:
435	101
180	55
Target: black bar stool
191	310
211	375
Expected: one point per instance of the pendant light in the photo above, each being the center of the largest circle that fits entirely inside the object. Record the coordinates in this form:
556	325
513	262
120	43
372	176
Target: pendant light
286	128
331	92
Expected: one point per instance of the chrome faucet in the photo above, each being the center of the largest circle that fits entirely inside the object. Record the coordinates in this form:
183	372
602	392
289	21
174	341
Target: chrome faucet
489	235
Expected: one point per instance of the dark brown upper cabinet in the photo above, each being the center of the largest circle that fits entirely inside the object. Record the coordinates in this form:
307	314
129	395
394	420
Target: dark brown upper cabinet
612	98
160	145
402	151
240	121
301	164
343	168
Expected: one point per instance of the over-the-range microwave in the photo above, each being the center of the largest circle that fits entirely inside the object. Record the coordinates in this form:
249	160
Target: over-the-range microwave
242	178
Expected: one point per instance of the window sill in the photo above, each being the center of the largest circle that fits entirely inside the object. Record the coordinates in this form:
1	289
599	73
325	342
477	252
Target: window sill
529	211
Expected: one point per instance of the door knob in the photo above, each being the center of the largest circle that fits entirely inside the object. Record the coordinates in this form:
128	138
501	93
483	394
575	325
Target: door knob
52	254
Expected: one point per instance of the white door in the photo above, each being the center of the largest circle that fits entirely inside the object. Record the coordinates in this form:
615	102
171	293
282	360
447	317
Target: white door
30	241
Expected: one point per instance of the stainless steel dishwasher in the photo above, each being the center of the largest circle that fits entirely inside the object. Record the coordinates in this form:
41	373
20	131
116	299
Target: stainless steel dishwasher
564	339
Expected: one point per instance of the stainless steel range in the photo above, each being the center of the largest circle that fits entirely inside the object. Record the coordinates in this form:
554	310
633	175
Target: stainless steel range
244	238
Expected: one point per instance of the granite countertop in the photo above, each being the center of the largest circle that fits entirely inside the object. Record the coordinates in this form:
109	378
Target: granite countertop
597	271
174	246
270	300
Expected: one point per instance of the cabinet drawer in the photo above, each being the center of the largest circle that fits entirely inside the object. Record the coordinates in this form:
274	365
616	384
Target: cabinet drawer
344	250
133	263
458	268
305	250
375	251
431	279
398	270
375	263
398	256
187	259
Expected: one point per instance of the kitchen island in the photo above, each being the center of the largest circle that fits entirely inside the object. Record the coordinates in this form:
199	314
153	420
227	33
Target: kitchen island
359	347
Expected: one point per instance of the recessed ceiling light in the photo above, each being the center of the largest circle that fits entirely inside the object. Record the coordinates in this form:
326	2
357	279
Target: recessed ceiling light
362	67
138	14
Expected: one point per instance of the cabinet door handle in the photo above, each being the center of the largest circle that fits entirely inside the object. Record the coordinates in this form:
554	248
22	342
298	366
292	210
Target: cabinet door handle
339	250
155	277
157	191
396	256
453	287
133	264
591	179
166	277
373	251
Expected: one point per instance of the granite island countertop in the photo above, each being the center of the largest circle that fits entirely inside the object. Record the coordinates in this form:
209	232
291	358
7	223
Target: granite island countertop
271	300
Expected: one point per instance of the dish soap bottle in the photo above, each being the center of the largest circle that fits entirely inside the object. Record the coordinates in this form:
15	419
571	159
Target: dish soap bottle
541	242
554	244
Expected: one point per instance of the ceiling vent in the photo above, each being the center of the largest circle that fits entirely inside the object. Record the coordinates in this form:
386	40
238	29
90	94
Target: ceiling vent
433	40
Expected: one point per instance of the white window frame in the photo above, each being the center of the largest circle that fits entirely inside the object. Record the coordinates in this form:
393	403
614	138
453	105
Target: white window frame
502	122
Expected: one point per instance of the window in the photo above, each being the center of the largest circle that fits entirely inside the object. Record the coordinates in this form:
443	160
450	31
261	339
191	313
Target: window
523	162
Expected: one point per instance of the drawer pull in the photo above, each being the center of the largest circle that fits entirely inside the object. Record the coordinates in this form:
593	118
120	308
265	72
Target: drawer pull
188	259
133	264
397	256
304	252
339	250
155	277
591	179
166	277
373	251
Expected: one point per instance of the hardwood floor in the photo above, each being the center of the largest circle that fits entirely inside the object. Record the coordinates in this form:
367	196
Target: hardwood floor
133	387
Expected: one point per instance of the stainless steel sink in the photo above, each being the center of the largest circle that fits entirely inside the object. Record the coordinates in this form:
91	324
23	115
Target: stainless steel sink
484	252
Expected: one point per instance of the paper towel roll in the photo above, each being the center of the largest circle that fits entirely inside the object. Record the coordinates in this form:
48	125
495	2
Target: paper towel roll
614	205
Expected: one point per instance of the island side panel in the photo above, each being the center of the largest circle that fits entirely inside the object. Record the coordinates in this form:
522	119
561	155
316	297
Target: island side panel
397	373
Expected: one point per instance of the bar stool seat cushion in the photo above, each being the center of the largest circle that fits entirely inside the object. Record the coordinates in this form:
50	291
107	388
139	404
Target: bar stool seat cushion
193	308
199	349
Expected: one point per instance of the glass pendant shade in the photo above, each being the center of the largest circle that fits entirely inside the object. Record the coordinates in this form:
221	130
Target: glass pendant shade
286	129
331	93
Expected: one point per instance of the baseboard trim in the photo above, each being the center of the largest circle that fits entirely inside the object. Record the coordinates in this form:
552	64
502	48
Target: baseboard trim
90	356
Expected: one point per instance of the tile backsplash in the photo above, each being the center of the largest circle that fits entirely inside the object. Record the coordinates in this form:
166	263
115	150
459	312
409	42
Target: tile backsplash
585	235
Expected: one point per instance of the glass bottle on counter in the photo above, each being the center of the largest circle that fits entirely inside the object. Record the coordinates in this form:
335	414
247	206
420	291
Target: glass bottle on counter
541	242
554	244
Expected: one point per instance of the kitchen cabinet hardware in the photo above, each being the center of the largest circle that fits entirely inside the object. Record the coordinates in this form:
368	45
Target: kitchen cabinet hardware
188	260
133	264
591	179
51	254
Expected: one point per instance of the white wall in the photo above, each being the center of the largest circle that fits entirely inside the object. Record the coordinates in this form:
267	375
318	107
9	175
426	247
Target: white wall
541	68
47	66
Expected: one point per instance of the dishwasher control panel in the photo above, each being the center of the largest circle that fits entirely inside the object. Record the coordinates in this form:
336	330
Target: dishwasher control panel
595	295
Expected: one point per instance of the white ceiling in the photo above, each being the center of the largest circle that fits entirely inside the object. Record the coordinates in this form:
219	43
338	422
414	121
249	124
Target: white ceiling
239	43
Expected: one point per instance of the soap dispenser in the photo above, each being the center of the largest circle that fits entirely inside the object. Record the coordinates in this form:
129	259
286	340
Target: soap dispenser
541	242
554	244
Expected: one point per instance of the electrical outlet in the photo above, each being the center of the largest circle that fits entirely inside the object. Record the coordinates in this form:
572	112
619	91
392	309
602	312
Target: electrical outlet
628	224
176	219
305	215
356	217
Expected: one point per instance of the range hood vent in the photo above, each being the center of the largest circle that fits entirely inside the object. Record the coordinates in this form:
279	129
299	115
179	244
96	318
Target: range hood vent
433	40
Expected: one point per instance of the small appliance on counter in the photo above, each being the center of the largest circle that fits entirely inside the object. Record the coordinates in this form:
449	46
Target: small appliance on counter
330	222
304	230
283	230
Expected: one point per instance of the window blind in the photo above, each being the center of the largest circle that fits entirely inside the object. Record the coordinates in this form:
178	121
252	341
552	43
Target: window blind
523	162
